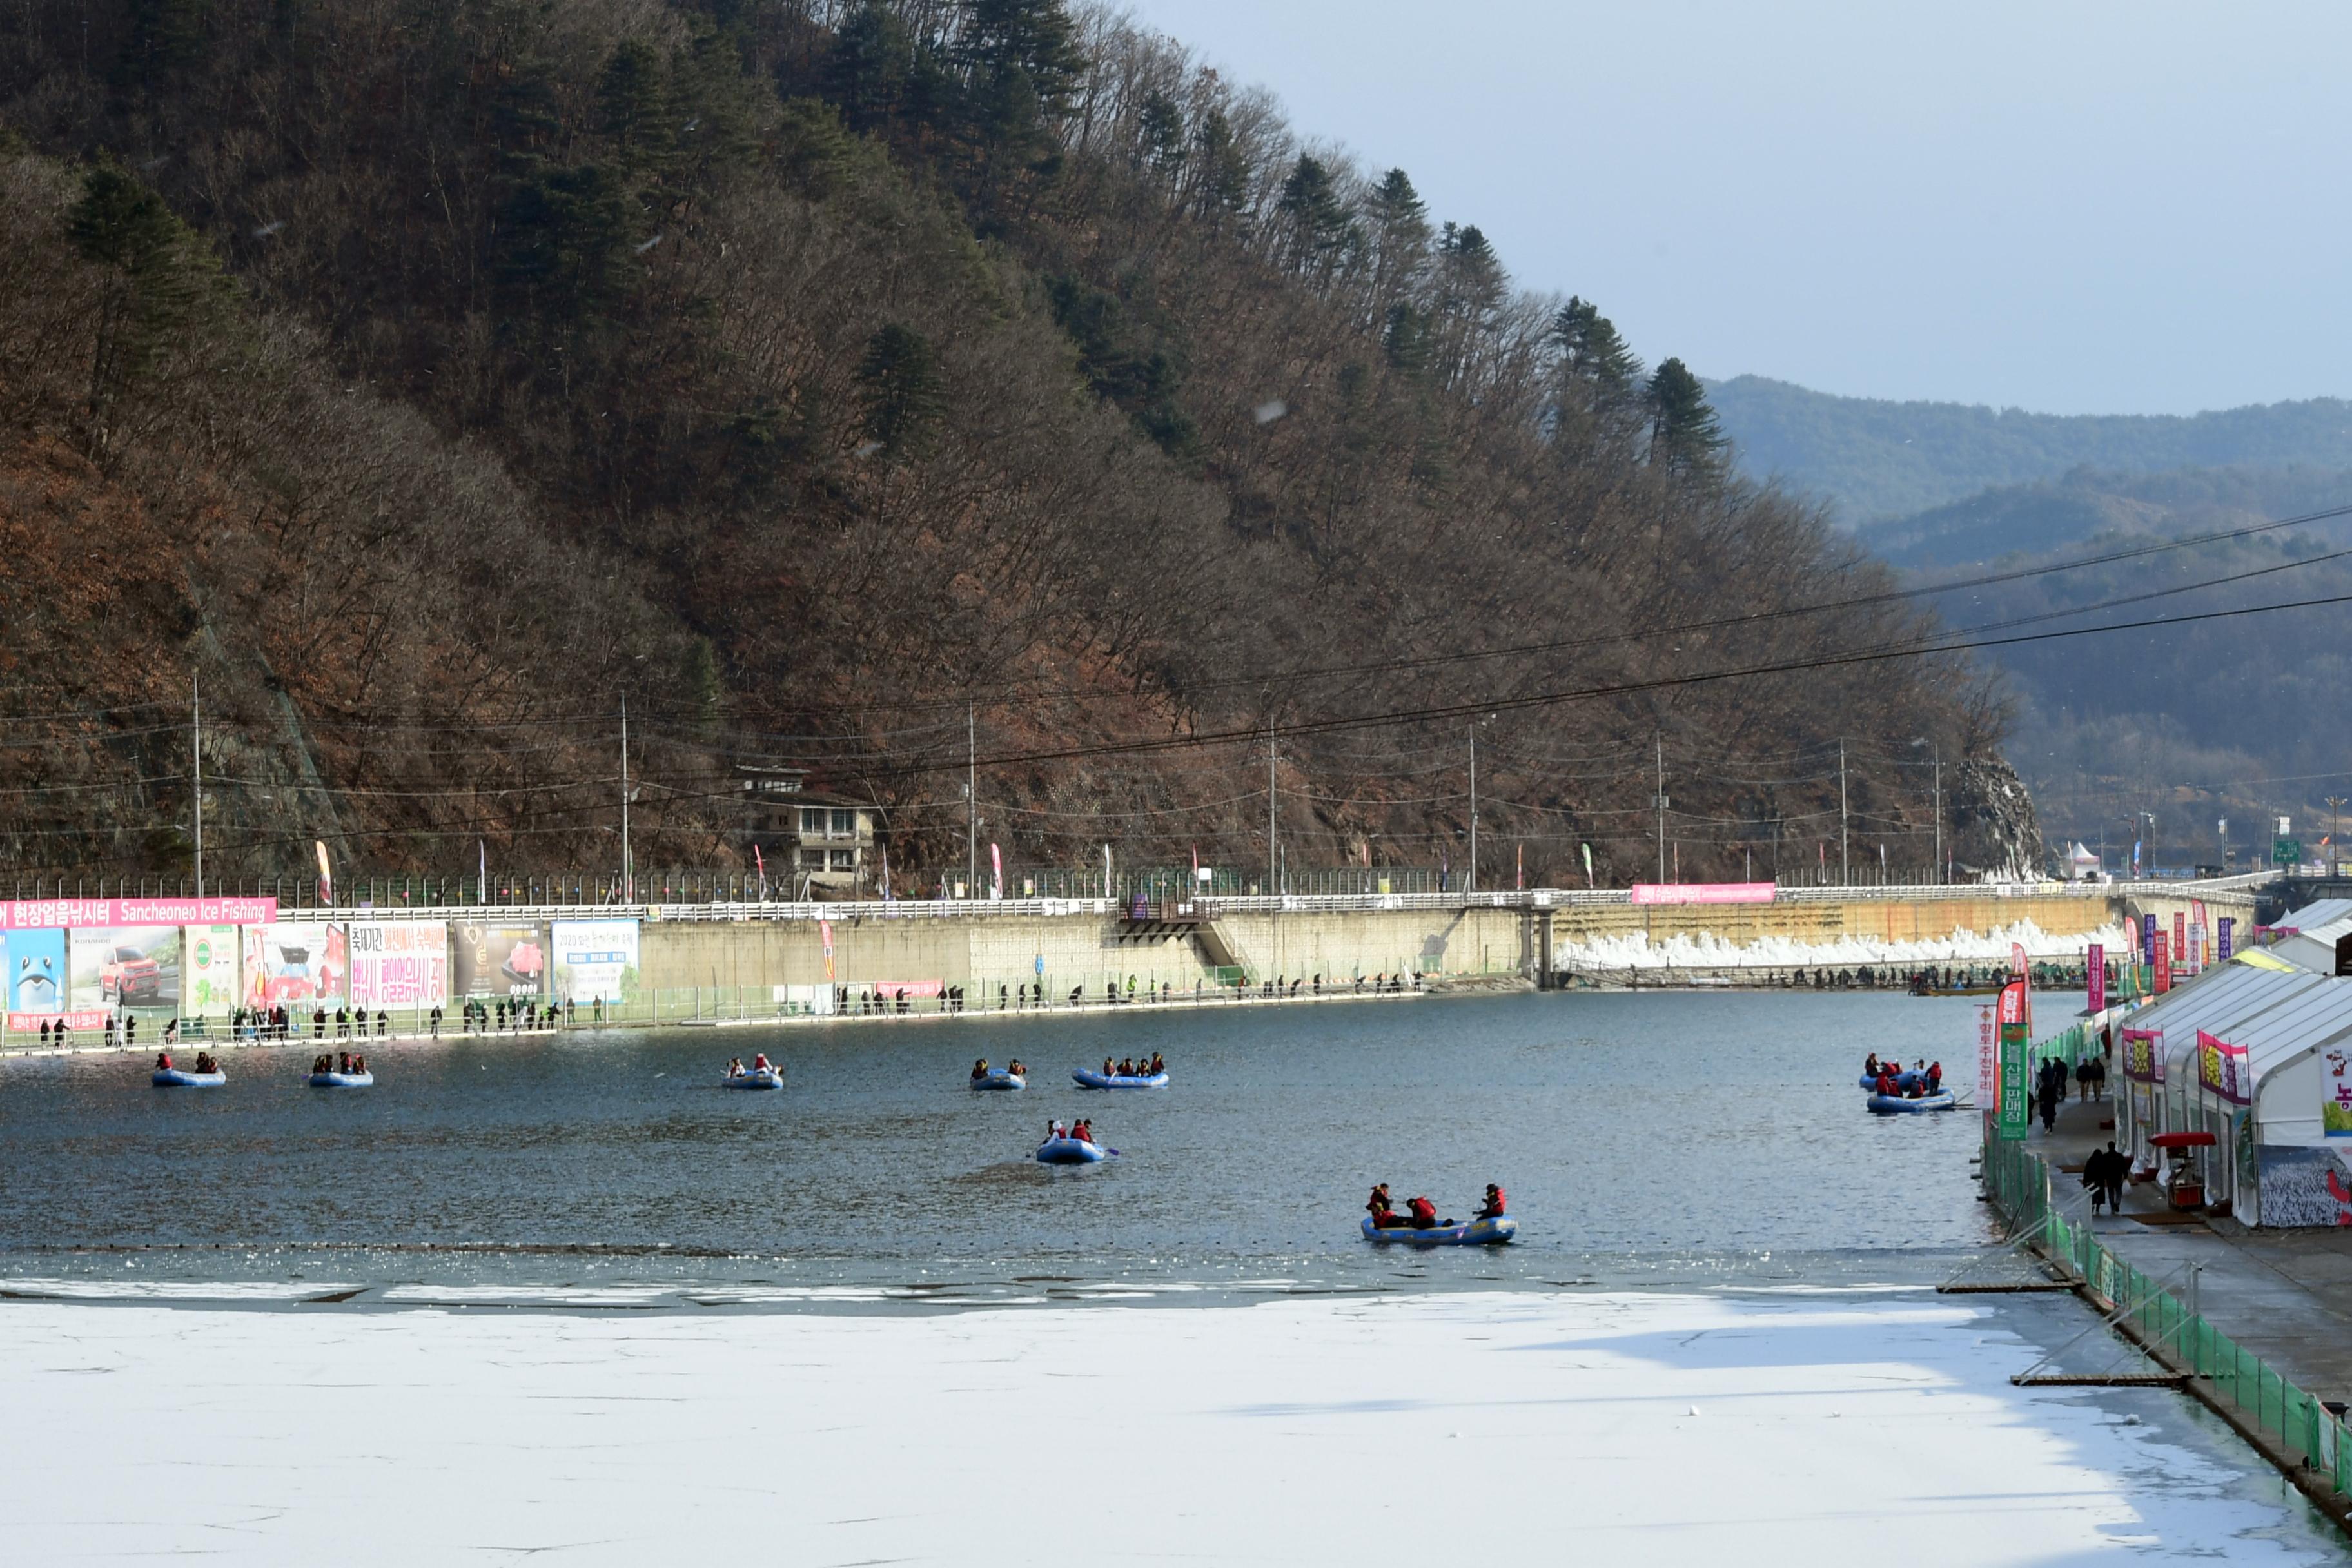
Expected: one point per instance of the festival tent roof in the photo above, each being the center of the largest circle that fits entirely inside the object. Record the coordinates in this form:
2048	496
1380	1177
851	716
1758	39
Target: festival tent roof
2316	1015
2323	912
2221	1001
2313	946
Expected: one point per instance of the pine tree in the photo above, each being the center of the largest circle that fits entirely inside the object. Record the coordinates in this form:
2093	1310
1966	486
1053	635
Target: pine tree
1221	173
903	391
161	279
1399	219
1036	38
866	71
633	106
1685	437
1160	134
1318	219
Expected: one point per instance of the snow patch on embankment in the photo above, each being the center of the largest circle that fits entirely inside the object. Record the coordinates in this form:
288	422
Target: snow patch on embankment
1703	949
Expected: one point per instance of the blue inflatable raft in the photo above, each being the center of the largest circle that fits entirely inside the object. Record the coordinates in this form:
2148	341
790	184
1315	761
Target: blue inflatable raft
997	1078
1469	1233
1898	1105
179	1077
1089	1079
1904	1080
753	1078
342	1081
1071	1152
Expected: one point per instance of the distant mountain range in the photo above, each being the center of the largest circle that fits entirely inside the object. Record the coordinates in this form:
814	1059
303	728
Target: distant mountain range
1875	460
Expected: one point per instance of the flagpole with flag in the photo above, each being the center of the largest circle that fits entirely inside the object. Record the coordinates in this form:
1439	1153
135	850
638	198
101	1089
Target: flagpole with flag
326	876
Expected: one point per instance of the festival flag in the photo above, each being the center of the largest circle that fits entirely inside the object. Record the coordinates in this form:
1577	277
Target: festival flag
482	863
995	874
2095	976
825	934
1523	868
761	862
1587	863
326	876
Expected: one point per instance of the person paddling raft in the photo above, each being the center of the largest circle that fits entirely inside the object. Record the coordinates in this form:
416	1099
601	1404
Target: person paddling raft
980	1070
1870	1067
162	1061
760	1062
1383	1212
1935	1077
1424	1212
1493	1208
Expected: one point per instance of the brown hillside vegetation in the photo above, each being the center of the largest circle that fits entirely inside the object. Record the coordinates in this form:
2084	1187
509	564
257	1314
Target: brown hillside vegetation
430	375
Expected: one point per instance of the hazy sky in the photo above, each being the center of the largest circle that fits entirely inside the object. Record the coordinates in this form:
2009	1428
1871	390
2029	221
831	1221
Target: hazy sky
2066	205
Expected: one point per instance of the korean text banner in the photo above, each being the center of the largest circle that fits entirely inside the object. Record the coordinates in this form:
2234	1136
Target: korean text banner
2336	1093
124	966
300	964
24	914
37	971
2144	1055
1703	892
2223	1069
2095	977
208	970
498	960
596	960
400	964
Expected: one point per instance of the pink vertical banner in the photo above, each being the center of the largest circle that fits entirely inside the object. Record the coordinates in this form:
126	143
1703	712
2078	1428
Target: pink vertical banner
2096	977
1988	1060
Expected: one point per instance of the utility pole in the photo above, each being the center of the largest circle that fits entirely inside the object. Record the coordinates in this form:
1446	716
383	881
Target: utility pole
1845	871
1470	883
628	868
2333	801
972	800
1939	817
196	755
1269	807
1662	807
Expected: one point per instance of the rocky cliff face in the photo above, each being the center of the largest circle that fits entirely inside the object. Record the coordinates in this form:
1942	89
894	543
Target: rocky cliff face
1994	831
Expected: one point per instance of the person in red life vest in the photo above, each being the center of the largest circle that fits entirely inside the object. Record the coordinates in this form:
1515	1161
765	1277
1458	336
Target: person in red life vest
1383	1212
1885	1081
1493	1208
760	1062
1935	1077
164	1061
1424	1213
1082	1129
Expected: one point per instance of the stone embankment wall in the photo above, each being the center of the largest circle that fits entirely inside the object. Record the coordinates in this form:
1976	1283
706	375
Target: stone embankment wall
982	951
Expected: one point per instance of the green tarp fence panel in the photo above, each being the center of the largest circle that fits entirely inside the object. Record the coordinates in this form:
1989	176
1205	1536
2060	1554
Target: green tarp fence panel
2019	1184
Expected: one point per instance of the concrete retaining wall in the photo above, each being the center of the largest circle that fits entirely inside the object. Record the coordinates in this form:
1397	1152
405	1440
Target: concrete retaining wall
981	952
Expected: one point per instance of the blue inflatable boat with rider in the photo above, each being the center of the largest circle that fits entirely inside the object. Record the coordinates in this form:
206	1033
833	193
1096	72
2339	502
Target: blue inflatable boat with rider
1089	1079
753	1078
1072	1151
342	1080
1000	1079
1903	1105
1492	1232
180	1077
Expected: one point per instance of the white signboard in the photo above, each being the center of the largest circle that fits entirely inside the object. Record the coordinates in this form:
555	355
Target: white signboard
595	960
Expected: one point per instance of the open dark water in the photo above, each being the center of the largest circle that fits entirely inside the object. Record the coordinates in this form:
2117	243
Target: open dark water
1645	1138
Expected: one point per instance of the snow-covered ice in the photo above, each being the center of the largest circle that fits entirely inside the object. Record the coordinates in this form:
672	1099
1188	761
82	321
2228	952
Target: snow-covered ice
1706	951
1794	1427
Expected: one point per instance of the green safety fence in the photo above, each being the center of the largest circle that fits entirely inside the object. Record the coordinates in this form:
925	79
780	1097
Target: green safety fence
2017	1182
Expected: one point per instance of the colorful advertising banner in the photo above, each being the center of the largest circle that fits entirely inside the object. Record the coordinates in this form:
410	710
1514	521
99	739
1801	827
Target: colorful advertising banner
400	964
208	971
2144	1055
1703	892
2095	976
595	960
301	964
2223	1069
28	914
499	961
2147	940
124	966
37	971
2181	938
2227	927
2336	1093
2011	1119
2163	964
